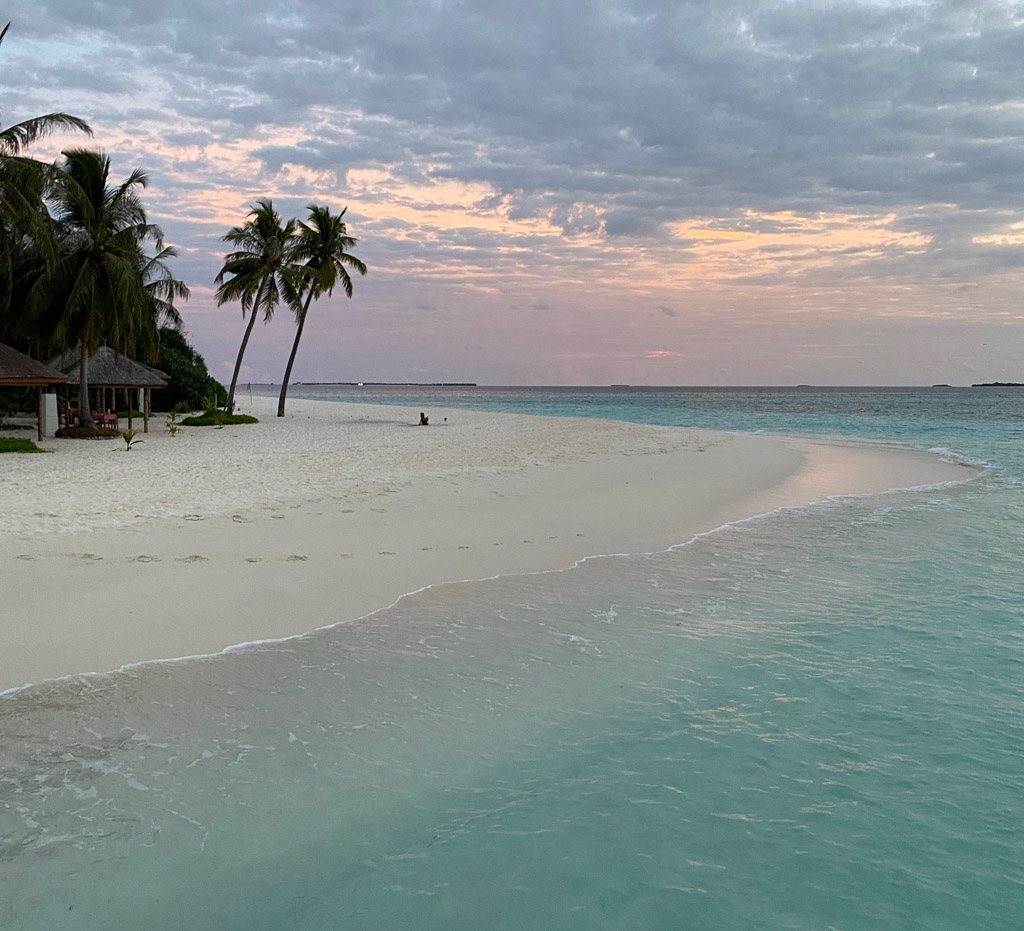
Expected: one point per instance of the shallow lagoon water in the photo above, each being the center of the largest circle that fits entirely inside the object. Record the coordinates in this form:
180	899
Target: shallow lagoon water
810	719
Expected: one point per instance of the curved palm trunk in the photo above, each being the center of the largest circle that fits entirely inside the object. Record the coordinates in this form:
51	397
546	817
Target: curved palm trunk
291	358
241	349
84	405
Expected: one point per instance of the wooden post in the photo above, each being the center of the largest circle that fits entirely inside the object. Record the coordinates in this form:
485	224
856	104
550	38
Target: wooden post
128	394
39	409
145	412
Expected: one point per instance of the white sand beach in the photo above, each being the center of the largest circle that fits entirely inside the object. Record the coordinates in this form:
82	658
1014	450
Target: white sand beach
189	544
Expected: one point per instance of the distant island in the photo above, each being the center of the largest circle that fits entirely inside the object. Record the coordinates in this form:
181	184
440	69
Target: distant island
393	384
999	384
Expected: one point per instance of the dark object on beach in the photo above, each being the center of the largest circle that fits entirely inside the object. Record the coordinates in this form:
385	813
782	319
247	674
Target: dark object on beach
424	419
88	433
217	418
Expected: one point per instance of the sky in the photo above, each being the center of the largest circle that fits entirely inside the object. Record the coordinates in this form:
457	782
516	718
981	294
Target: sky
662	192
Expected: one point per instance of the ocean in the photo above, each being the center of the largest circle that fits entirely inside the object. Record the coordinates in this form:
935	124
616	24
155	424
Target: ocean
809	720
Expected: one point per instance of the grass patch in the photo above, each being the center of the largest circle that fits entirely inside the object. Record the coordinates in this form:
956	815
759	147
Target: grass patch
88	433
12	444
217	419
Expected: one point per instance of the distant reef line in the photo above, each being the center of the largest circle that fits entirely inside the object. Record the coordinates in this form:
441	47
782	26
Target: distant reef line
387	384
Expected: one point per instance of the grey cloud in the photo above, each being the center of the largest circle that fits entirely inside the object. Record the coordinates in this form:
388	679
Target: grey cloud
603	119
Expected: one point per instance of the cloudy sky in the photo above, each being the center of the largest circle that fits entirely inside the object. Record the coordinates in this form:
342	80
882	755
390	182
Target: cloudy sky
578	191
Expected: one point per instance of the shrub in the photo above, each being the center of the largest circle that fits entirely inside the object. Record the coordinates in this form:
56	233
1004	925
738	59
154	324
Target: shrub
14	399
217	418
190	383
10	444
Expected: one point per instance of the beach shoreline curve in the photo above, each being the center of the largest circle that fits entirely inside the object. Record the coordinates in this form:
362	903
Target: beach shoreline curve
215	541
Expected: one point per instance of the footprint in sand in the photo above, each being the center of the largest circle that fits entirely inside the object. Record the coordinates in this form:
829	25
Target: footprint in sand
579	534
147	559
192	517
194	558
277	516
527	541
296	558
87	556
348	511
346	555
379	510
424	549
497	544
253	559
463	547
24	556
238	519
385	553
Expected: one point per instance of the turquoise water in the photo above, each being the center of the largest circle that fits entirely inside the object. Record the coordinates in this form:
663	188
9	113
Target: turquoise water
814	719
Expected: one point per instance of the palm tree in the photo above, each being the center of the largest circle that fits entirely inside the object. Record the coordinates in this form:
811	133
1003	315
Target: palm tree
322	244
102	286
258	272
25	234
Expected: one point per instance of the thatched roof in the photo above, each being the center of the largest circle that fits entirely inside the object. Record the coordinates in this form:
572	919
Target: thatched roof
18	369
107	369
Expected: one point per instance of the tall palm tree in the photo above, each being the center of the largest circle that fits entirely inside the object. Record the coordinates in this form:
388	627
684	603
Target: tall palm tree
102	286
258	272
25	234
321	247
162	289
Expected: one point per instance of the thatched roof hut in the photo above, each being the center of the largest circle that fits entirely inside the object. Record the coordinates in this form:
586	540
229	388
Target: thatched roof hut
16	368
108	369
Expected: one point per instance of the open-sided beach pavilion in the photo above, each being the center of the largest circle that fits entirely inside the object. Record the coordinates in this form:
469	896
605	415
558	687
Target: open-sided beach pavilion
18	369
111	370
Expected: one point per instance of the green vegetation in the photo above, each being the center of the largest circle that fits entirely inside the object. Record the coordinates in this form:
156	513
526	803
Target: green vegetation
10	444
101	286
321	246
257	272
16	398
191	386
131	437
273	261
80	263
26	241
217	418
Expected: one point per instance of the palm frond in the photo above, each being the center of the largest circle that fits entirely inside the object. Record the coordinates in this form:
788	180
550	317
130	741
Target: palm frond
15	139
